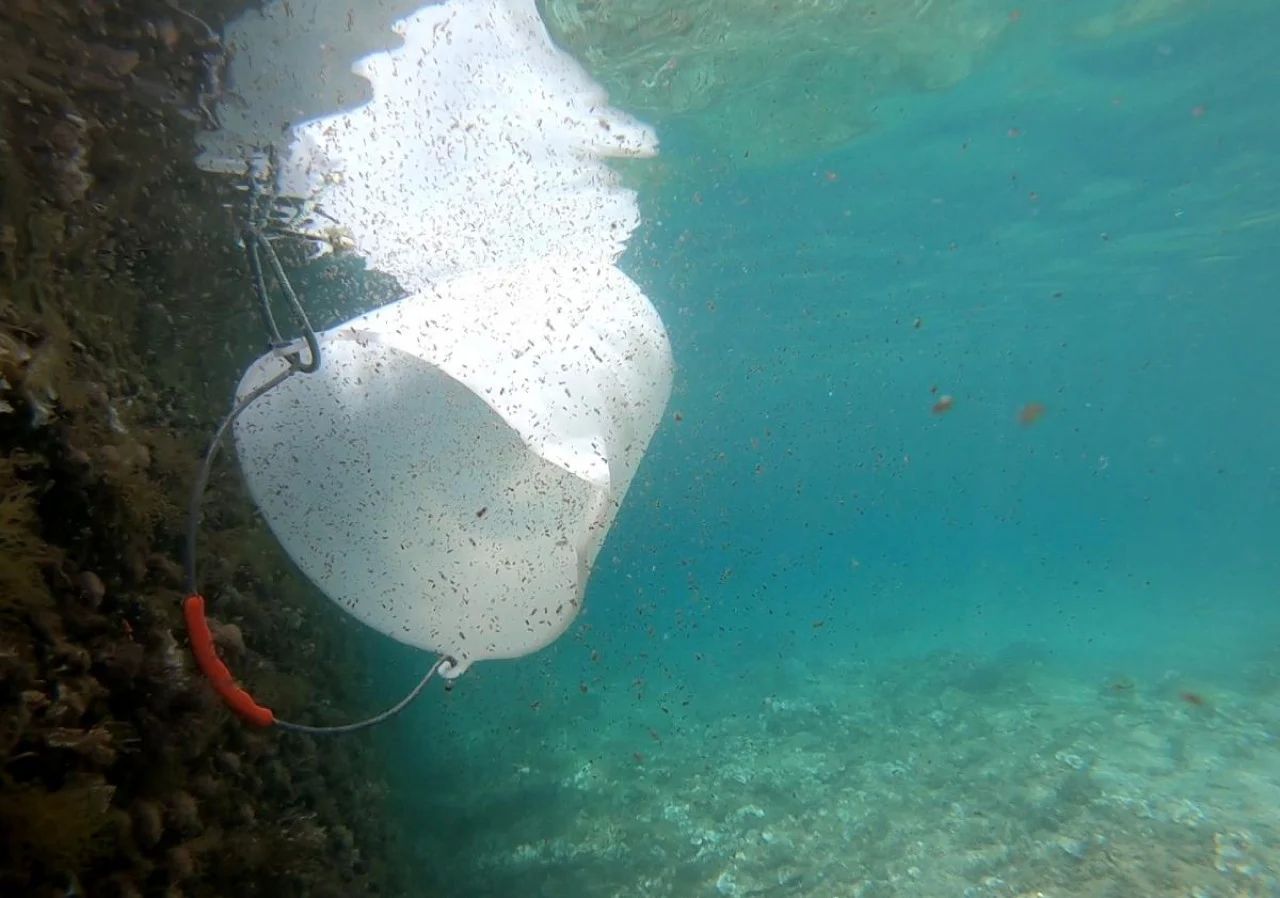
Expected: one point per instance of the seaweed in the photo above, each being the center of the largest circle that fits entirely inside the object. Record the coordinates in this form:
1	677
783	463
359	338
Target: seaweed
26	554
59	830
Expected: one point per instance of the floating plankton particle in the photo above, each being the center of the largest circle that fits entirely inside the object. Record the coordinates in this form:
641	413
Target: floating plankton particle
1031	413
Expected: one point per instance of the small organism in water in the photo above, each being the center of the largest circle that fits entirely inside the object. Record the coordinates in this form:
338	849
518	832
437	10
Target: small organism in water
1031	413
1121	684
944	404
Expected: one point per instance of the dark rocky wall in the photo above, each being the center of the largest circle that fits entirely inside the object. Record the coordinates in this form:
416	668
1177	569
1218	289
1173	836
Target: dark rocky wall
124	321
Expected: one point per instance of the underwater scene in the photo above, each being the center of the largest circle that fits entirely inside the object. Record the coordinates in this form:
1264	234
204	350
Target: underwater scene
639	449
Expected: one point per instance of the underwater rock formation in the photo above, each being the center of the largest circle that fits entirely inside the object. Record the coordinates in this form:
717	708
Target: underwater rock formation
120	286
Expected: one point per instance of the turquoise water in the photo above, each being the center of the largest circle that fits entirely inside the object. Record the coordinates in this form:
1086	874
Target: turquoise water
838	644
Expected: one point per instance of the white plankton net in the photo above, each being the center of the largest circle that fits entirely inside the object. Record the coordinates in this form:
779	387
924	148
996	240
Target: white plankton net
449	473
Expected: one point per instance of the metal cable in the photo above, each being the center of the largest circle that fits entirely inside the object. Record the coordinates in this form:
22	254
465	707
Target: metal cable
254	241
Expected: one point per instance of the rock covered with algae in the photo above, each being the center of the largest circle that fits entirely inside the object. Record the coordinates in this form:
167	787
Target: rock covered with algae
121	774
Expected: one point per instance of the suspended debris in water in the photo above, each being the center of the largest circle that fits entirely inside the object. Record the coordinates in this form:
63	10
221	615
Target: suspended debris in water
1031	413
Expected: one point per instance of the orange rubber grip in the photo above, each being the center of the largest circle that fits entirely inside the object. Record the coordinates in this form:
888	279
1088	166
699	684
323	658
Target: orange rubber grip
215	671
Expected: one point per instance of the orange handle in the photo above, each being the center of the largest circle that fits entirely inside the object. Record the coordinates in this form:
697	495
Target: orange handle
215	671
